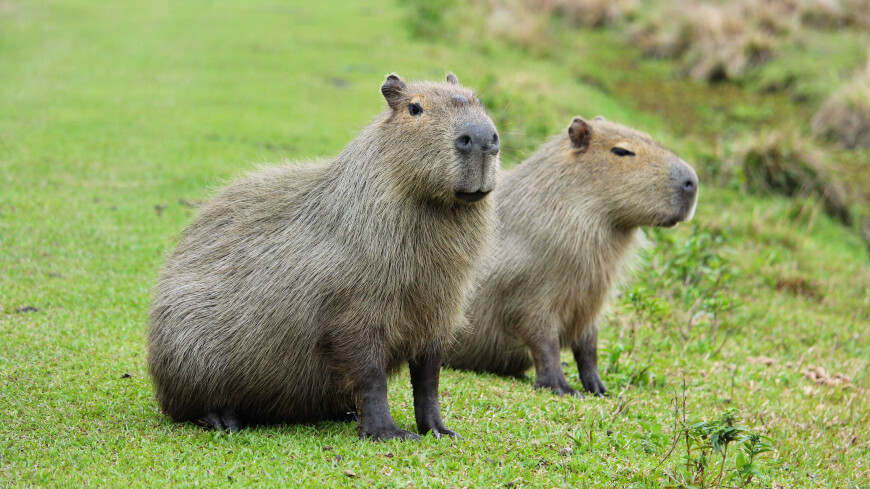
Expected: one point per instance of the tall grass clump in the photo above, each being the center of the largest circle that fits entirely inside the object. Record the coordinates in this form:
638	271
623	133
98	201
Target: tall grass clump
845	116
786	163
726	40
527	23
716	41
594	13
833	14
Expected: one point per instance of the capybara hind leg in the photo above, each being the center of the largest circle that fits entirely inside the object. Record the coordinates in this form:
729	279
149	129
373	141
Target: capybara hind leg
585	350
222	421
425	371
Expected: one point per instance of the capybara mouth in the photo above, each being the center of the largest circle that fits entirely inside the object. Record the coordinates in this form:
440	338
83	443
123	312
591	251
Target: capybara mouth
471	196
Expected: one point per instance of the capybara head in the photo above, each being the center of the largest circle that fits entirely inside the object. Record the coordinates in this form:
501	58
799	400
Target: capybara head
637	181
445	145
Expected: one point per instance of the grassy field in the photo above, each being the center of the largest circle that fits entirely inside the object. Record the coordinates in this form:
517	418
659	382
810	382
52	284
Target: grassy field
118	118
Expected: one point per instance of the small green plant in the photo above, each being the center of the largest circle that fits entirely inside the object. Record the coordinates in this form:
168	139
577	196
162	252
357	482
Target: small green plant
697	277
706	462
707	447
746	465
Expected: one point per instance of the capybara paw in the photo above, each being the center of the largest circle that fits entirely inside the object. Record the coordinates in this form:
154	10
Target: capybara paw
221	421
438	430
391	433
593	384
443	431
561	390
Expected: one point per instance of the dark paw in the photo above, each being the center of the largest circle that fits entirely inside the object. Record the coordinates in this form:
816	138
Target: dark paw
562	390
441	431
593	384
392	433
222	421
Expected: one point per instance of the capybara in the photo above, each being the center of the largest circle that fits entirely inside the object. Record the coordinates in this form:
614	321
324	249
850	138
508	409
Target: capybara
299	289
569	216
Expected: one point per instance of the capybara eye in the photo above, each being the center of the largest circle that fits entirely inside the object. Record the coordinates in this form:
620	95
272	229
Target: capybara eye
415	109
621	152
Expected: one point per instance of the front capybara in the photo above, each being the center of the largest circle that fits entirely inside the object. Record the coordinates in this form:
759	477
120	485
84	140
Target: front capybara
300	288
568	217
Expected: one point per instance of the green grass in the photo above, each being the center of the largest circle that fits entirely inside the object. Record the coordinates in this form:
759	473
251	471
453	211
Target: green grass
113	114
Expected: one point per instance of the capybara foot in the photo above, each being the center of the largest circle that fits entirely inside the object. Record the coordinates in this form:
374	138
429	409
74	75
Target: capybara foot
442	431
562	390
390	433
593	384
222	421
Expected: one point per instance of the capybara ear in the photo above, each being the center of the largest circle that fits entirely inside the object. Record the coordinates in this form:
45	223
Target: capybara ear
392	90
451	79
580	132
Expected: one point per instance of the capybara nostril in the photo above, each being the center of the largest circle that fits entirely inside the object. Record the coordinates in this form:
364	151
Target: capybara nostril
494	147
689	186
464	144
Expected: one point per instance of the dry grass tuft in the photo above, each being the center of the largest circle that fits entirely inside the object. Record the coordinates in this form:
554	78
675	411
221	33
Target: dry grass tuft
519	22
845	116
717	41
724	40
833	14
786	163
595	13
524	22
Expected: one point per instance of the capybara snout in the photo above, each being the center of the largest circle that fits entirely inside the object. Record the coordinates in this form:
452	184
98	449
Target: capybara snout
477	147
684	184
477	136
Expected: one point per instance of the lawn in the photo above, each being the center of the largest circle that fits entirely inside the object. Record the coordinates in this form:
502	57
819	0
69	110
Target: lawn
118	118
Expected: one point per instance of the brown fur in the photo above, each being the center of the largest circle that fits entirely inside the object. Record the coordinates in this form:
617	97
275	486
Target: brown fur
568	217
297	282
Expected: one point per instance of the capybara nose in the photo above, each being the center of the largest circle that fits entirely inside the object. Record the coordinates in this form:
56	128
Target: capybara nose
690	185
478	136
687	180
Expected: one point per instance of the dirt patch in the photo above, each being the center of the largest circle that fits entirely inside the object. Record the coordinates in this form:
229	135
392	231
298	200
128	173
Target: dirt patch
799	286
821	376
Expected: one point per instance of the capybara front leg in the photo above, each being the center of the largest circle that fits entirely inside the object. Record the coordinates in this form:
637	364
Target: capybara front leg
425	374
543	341
375	420
585	350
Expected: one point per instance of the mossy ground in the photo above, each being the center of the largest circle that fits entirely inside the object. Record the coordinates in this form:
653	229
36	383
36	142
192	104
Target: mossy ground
117	118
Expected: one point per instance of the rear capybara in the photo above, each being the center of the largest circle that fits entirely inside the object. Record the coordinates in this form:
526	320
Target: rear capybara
568	217
299	289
